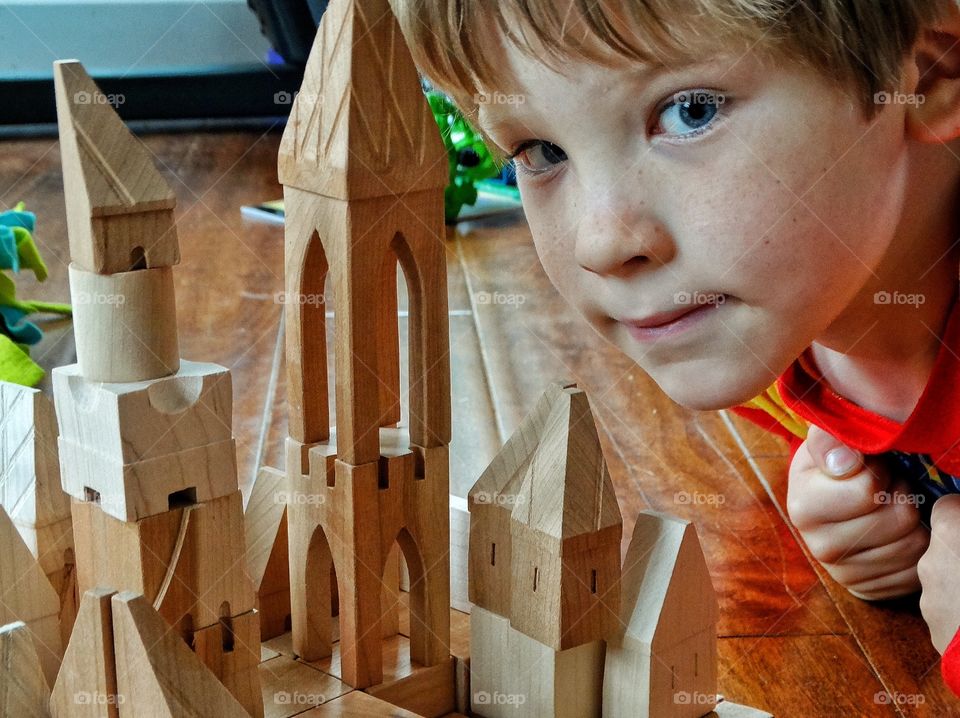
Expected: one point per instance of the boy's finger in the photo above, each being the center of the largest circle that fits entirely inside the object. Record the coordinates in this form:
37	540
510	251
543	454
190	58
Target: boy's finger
840	542
833	457
814	498
886	559
946	514
902	583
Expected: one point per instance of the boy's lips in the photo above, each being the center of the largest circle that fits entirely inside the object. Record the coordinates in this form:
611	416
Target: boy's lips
660	319
664	324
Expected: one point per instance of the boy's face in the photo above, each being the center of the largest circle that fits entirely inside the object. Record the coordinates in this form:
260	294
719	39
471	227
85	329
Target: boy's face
711	241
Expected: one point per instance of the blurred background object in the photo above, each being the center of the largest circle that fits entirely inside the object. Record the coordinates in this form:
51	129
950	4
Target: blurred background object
164	64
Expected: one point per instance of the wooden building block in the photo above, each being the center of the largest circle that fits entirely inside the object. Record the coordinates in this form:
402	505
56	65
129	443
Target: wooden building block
30	472
514	675
24	692
305	330
119	207
565	534
335	198
459	554
143	420
186	561
726	709
125	324
429	691
663	661
546	526
360	126
379	227
265	528
231	650
26	595
425	541
351	517
357	704
461	677
157	673
350	540
131	492
86	686
491	501
390	599
30	489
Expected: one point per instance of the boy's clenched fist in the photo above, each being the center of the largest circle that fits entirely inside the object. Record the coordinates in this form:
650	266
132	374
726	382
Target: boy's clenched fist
860	522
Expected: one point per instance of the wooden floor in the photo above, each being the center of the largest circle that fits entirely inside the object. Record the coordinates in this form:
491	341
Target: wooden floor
792	641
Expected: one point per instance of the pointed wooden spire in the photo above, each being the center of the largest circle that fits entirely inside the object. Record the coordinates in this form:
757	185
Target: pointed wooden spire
26	595
667	592
119	207
157	673
568	491
360	126
89	668
23	691
511	461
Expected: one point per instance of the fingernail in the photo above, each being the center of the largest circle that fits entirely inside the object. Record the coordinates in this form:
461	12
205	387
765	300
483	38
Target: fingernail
842	460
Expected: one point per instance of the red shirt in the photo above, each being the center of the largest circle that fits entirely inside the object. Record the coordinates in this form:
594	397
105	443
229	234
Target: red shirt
926	445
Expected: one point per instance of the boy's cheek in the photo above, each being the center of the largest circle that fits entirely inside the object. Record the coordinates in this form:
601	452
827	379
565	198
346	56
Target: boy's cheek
726	361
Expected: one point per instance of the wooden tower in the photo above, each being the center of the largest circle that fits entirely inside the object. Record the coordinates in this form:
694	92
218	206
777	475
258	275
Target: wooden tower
662	661
146	439
544	566
364	172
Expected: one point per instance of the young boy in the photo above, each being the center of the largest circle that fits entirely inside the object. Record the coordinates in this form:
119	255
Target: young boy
756	200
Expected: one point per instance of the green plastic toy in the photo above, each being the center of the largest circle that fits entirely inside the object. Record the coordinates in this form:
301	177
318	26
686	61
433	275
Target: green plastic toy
470	160
17	333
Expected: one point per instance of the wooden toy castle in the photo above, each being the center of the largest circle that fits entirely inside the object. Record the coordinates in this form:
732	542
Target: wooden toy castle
134	583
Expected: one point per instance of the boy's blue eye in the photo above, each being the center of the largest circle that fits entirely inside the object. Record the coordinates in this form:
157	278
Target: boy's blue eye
689	112
536	156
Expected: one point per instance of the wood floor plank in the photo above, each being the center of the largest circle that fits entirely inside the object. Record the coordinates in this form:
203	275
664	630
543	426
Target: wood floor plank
808	676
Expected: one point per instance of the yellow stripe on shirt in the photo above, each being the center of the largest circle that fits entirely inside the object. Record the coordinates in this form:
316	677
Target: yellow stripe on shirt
772	403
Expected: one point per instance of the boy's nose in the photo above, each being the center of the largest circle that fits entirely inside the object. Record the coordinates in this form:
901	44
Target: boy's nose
610	243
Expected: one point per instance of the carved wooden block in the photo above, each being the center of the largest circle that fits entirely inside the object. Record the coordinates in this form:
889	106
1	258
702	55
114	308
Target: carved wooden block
157	673
86	686
265	528
187	562
30	489
131	492
125	324
26	595
231	650
119	207
351	517
663	660
514	676
24	692
138	421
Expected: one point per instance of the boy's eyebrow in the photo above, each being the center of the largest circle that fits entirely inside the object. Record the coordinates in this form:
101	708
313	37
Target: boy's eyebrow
491	120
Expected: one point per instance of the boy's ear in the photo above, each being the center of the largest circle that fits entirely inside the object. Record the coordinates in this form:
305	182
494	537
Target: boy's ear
932	76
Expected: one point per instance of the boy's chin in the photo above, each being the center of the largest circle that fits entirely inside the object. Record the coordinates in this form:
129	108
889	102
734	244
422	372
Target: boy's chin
706	393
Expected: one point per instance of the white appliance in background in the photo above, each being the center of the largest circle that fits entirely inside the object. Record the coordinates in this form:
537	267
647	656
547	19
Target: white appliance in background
128	37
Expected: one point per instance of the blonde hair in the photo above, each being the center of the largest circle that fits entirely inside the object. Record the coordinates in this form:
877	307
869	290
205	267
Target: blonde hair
858	44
